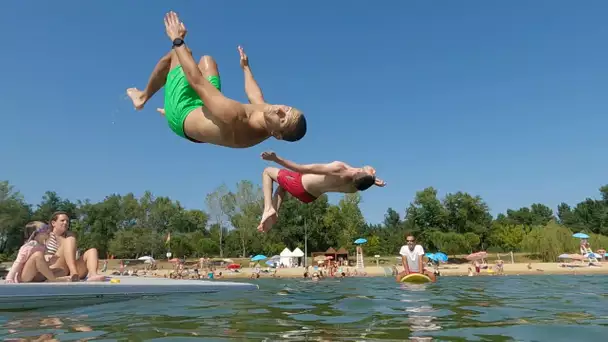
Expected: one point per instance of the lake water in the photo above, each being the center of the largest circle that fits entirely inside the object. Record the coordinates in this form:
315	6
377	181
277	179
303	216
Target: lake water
510	308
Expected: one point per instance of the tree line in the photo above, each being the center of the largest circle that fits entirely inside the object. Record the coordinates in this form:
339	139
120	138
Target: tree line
128	227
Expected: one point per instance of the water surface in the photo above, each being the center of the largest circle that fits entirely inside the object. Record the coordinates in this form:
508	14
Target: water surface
510	308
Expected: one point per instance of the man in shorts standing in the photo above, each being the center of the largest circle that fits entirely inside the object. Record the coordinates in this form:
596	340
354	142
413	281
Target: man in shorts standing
196	109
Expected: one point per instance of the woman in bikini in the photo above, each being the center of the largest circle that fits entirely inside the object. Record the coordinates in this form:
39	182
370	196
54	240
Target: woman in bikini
61	251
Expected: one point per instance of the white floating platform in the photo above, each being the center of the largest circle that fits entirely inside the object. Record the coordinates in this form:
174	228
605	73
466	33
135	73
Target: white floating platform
44	295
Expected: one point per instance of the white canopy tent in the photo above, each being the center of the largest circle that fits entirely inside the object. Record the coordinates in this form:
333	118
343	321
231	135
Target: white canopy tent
286	256
296	255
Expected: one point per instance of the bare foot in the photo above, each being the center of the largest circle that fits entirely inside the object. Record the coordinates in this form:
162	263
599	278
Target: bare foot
269	218
138	98
96	277
66	279
161	111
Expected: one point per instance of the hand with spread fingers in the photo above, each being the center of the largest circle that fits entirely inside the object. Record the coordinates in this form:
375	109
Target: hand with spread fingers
174	27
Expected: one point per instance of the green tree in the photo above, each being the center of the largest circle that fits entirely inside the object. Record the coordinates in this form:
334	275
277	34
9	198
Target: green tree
218	209
245	211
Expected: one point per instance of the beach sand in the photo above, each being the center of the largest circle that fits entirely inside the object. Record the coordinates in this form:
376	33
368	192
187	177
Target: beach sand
445	269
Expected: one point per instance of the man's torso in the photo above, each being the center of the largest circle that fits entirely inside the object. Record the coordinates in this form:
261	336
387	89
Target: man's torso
203	127
412	257
317	185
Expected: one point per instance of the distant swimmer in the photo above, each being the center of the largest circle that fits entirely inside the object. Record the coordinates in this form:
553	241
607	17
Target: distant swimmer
196	109
308	182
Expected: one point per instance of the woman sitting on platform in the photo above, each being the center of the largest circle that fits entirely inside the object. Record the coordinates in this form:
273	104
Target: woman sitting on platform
61	251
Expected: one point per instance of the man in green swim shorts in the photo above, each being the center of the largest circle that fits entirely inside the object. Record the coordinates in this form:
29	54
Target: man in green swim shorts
196	109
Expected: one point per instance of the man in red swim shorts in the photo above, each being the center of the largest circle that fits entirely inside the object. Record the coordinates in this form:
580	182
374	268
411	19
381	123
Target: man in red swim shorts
308	182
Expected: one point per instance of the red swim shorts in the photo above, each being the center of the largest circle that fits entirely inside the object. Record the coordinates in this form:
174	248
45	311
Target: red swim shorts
292	182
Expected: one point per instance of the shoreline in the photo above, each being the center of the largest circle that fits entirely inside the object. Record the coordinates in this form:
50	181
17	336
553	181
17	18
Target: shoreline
448	270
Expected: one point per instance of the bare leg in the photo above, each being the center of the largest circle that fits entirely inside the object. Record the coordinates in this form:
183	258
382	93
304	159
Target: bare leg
431	275
157	80
36	265
269	216
86	266
278	199
89	265
206	65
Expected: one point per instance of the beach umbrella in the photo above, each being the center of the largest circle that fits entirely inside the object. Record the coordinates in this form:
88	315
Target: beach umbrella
360	241
258	257
431	256
270	263
441	257
233	266
581	236
476	256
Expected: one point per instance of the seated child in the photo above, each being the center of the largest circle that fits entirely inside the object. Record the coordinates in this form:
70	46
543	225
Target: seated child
30	260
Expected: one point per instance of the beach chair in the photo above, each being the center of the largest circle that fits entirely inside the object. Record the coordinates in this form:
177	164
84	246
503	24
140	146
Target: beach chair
589	254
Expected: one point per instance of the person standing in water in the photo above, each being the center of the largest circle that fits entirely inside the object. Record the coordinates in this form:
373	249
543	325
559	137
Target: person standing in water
411	258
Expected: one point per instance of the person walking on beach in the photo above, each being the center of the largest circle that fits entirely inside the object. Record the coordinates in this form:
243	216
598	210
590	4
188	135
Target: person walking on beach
309	181
411	258
196	109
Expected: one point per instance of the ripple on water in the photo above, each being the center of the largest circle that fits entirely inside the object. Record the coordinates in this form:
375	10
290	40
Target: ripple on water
533	308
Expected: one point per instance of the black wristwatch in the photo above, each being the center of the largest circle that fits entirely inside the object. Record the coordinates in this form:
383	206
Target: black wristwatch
178	42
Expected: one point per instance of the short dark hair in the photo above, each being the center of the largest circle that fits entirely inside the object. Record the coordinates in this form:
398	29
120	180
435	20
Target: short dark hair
298	131
363	181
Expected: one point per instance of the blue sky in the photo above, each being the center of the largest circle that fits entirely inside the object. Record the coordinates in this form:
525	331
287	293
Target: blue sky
504	100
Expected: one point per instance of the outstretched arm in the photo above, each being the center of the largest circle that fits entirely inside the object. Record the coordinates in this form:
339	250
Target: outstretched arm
319	169
223	108
18	264
252	89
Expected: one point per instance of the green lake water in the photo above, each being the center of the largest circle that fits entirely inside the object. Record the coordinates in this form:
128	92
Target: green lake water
510	308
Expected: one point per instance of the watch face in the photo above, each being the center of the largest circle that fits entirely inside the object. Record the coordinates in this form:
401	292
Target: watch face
178	41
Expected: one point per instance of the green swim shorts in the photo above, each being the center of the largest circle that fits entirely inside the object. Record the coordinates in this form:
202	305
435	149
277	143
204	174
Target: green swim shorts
181	99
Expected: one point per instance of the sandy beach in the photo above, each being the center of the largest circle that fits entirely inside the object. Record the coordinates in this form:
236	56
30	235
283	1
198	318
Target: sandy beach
446	270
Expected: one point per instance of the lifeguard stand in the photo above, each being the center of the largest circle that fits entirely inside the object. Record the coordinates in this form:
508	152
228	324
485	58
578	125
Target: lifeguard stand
360	265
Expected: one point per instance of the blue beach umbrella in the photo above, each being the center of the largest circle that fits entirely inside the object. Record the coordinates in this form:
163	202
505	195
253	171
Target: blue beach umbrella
431	256
258	257
442	257
360	241
581	236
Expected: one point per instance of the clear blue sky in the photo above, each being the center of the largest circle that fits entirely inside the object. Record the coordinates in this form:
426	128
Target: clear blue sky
503	100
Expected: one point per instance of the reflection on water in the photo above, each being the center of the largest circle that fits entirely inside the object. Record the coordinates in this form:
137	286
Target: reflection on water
532	308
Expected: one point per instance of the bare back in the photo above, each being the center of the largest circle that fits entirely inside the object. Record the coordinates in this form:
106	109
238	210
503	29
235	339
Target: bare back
202	126
317	185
